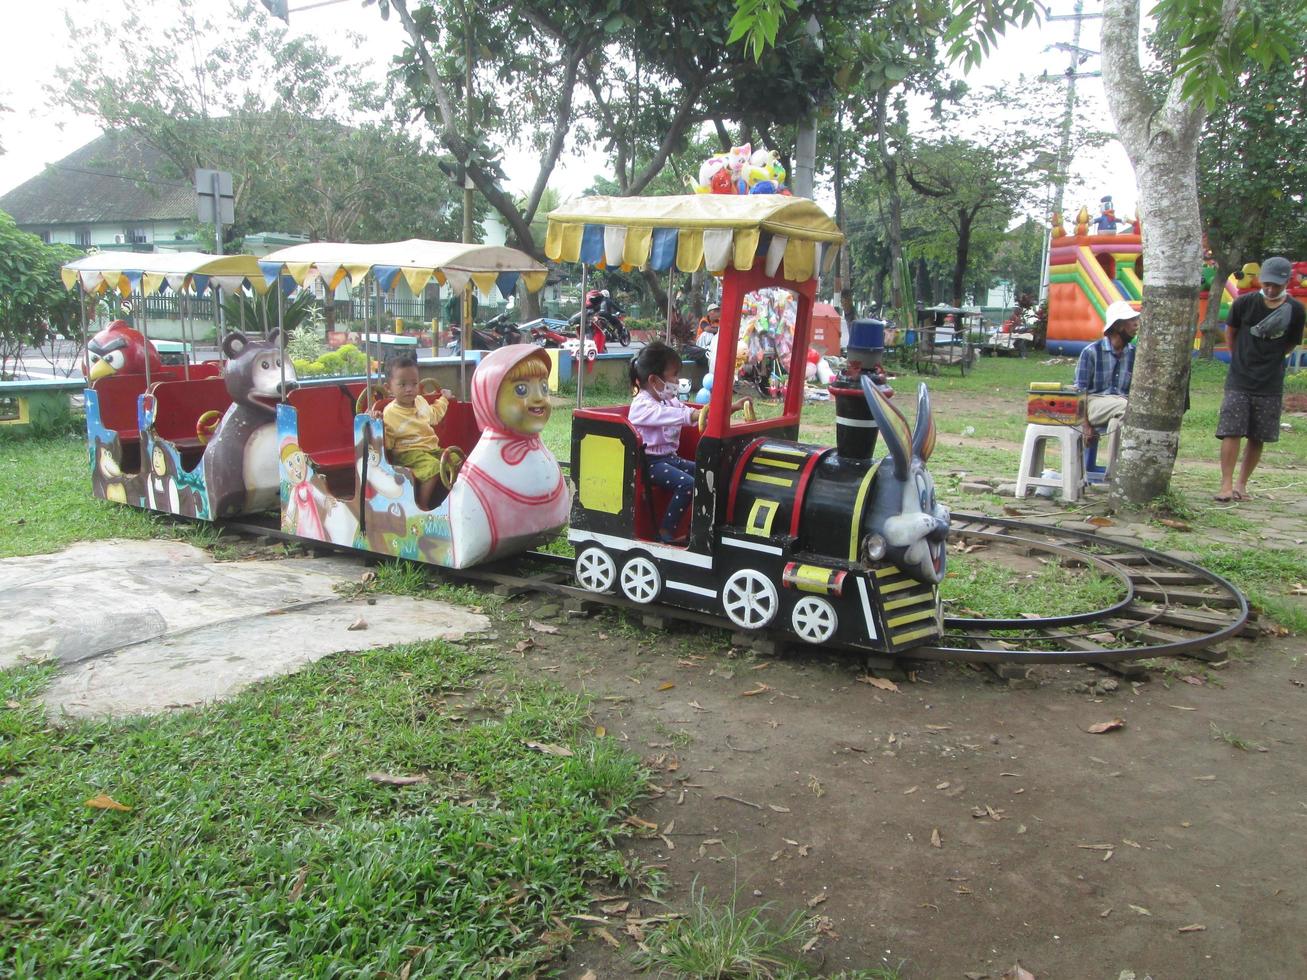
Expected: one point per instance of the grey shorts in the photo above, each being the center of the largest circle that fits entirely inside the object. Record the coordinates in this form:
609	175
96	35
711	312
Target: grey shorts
1244	414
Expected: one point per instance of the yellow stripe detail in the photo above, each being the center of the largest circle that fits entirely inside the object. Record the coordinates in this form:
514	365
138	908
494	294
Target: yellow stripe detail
897	586
911	600
775	481
887	572
910	618
784	451
855	522
914	635
761	517
783	464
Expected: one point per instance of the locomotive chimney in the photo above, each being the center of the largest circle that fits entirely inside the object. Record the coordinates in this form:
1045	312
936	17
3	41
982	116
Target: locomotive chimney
855	429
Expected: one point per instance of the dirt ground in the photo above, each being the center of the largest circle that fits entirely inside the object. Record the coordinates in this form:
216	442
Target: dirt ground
959	824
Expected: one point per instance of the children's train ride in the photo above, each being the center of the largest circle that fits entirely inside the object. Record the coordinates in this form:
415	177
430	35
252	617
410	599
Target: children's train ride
827	544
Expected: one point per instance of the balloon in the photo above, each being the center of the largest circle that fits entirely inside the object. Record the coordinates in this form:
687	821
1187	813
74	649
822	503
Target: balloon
813	356
763	187
710	167
707	382
825	373
702	396
722	183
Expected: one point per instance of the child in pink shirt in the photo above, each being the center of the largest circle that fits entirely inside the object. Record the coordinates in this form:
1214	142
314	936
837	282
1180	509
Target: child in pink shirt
657	415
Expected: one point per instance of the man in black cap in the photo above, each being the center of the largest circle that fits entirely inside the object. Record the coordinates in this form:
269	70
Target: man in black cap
1264	328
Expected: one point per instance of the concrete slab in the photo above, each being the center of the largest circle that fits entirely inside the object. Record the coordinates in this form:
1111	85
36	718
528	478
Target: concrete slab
144	626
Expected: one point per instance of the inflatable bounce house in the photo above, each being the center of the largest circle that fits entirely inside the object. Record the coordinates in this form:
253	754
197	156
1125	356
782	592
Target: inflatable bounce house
1095	267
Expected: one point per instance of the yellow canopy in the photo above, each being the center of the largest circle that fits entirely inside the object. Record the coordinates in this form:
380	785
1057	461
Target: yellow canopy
148	271
416	259
693	230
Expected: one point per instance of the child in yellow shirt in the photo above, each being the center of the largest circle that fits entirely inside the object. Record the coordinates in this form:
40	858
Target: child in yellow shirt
410	424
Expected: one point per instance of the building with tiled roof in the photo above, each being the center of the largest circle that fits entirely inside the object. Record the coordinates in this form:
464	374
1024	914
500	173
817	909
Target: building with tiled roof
115	192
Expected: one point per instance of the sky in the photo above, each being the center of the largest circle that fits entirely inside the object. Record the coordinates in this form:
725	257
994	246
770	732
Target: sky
34	133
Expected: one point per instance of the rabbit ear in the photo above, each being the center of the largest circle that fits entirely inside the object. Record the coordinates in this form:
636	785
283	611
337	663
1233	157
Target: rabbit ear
923	437
893	427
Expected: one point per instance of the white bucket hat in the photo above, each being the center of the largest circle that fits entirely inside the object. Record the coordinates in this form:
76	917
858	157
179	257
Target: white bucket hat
1120	310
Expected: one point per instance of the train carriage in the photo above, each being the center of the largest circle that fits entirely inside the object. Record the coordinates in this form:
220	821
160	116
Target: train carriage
825	544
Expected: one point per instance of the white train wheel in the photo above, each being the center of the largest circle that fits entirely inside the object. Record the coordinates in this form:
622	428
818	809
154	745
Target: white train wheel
750	599
595	569
814	619
641	581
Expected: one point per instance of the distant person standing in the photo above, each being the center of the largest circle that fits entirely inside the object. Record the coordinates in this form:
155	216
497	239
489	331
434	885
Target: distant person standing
1263	329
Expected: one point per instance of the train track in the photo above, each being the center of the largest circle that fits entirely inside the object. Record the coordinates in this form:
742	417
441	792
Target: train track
1165	606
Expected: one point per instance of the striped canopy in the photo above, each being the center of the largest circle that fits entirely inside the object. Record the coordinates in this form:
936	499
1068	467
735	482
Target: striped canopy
417	260
695	230
148	272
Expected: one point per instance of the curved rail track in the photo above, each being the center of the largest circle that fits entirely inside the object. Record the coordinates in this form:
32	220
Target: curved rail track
1166	606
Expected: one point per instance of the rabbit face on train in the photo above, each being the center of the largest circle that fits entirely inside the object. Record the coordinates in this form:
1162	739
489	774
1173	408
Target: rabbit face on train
906	513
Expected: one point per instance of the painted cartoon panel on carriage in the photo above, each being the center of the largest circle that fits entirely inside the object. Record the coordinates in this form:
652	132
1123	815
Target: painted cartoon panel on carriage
170	487
115	467
310	509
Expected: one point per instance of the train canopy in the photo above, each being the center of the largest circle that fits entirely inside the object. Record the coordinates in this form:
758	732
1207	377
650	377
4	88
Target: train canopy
419	261
148	272
695	230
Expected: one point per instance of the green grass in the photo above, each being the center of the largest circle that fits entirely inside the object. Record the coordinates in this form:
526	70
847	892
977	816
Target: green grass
991	589
46	487
1230	738
256	846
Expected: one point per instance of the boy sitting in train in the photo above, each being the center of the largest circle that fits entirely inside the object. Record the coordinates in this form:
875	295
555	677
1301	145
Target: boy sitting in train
658	415
410	423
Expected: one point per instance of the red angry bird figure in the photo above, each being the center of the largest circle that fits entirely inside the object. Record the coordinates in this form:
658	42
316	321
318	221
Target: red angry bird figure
722	183
118	349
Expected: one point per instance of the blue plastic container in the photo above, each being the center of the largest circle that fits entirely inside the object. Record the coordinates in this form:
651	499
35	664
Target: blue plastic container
910	337
867	334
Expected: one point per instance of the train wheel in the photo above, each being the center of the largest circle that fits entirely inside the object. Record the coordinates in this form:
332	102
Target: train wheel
814	619
595	569
641	581
750	599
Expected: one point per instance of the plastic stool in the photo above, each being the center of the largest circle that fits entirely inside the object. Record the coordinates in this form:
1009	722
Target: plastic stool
1093	473
1032	460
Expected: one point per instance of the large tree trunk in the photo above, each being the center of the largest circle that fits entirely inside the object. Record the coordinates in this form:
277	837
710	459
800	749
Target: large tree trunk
1162	143
1212	330
965	217
890	164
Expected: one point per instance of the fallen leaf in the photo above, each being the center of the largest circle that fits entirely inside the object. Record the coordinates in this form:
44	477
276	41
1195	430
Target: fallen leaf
1021	828
600	731
1105	913
1175	525
386	779
666	686
297	889
815	785
1193	681
939	728
808	946
1204	779
935	840
548	748
104	802
943	785
1096	847
1018	972
817	899
367	577
1141	910
607	937
910	790
1101	522
589	975
1181	707
883	683
616	907
358	624
1298	589
541	627
1106	726
696	706
522	646
760	689
804	850
778	809
1192	928
635	821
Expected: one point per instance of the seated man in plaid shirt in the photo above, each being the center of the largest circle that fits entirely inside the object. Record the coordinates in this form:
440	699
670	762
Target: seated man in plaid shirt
1104	370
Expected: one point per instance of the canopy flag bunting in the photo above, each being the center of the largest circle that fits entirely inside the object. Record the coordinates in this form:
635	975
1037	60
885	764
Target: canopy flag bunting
693	231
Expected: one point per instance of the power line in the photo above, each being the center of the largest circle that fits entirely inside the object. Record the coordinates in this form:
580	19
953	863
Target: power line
136	180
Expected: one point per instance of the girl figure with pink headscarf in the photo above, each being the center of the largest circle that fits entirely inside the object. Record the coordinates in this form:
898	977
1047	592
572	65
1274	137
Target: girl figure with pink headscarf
510	493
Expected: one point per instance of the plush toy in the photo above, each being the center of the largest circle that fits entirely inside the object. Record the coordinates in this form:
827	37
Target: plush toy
722	182
738	158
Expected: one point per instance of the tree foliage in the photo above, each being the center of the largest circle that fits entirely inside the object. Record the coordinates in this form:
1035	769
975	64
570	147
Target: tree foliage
33	301
237	92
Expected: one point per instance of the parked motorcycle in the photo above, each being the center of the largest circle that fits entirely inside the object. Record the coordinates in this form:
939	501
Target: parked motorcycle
594	333
496	332
545	332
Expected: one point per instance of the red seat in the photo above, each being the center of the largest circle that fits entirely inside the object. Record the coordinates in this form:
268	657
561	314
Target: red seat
325	416
179	405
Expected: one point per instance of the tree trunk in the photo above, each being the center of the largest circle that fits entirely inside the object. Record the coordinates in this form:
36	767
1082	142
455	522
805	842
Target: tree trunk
528	303
1211	328
889	163
1162	143
963	253
844	280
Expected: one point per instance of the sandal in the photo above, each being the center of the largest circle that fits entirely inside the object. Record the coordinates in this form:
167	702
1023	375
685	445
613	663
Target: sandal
1223	498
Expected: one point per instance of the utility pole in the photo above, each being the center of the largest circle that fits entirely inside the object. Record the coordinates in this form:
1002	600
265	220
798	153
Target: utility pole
1078	56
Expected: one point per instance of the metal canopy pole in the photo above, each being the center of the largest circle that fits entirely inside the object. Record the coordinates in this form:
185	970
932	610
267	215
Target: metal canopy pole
187	313
281	340
367	349
465	331
669	307
581	351
145	331
86	330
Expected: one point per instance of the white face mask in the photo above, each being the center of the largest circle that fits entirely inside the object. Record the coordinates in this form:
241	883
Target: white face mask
663	390
1272	299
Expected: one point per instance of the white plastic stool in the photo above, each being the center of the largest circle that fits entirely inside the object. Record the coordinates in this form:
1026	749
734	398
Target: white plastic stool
1072	476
